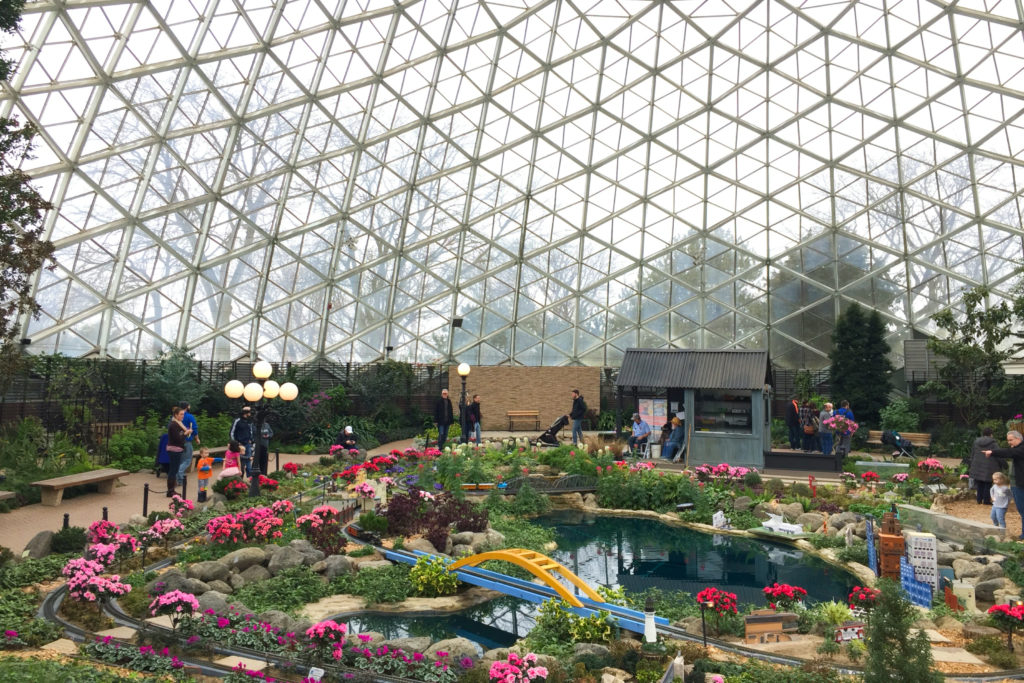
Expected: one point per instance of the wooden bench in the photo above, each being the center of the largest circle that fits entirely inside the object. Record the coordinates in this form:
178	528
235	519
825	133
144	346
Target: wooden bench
916	438
518	415
6	495
53	489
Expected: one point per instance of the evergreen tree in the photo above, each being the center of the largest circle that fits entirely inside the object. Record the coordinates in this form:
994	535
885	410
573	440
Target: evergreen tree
860	363
892	654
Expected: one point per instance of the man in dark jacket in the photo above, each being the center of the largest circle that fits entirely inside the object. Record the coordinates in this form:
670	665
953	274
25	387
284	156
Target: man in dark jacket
579	409
1015	453
793	423
444	416
982	468
242	431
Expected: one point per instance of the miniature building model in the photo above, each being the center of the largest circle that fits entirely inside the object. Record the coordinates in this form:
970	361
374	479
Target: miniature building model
891	544
923	555
769	626
850	630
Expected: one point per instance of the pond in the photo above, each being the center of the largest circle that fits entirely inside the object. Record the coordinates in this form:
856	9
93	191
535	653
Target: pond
636	554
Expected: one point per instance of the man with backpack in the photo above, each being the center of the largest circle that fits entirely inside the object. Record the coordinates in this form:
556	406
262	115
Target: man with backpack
579	409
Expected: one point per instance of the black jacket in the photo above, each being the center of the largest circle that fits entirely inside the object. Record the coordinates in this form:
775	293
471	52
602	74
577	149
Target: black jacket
443	414
1016	454
579	408
983	468
343	437
473	413
242	431
792	415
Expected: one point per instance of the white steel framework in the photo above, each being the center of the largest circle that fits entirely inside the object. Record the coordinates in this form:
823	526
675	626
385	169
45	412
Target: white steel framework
331	178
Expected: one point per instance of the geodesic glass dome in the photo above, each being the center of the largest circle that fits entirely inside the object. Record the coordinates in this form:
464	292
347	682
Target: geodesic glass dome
518	181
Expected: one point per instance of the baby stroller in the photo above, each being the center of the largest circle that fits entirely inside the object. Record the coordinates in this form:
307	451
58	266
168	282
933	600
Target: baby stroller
163	461
550	435
903	446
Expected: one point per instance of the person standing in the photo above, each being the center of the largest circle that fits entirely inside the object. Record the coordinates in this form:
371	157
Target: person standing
793	423
474	417
808	426
242	432
176	433
1000	499
982	468
844	441
641	433
263	447
824	432
579	409
1014	453
189	421
444	416
204	470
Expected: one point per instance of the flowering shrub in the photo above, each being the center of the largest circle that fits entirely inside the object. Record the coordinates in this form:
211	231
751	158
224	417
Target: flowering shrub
1014	423
931	465
365	490
431	578
162	528
291	468
864	597
268	483
102	531
722	471
225	529
784	596
869	476
337	450
900	477
175	603
326	638
840	424
517	668
180	506
322	528
237	629
281	507
235	489
97	588
142	658
720	601
1007	617
847	477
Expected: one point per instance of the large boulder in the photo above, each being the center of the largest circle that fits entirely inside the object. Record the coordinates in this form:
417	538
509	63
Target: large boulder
364	639
811	520
950	624
991	571
967	568
254	574
487	539
841	520
742	503
285	558
457	648
790	511
41	545
170	580
237	580
197	587
590	501
140	521
948	557
338	565
310	555
276	618
590	649
975	631
221	587
985	590
462	538
373	564
208	571
461	551
408	645
422	545
243	558
212	600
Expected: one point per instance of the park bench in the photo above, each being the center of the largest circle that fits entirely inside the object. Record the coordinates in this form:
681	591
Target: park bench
53	489
519	415
6	495
916	438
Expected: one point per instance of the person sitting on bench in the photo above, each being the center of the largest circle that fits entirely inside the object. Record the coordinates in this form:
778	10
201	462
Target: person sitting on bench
673	447
641	433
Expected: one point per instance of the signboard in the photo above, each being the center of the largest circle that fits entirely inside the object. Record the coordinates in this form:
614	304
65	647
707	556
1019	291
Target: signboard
653	411
872	553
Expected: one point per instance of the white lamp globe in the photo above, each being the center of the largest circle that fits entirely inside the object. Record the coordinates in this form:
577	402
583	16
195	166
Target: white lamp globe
288	391
463	369
262	369
233	389
253	392
271	388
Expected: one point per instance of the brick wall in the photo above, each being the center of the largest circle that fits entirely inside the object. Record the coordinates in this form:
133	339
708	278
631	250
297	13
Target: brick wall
547	389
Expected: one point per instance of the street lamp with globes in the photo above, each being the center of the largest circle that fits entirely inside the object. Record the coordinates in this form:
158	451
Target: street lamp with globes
463	371
255	392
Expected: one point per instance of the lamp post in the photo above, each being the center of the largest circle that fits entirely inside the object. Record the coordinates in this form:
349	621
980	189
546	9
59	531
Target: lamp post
463	371
703	623
255	392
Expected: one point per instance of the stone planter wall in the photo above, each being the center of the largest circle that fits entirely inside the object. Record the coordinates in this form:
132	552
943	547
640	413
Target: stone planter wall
945	527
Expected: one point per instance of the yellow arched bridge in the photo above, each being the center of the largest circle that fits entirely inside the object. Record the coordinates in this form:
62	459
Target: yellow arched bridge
540	566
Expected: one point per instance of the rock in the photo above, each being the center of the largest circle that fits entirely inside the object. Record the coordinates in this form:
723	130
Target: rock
925	624
742	503
421	544
985	590
408	645
966	568
612	675
590	500
448	545
811	520
212	600
761	510
461	550
285	558
338	565
195	586
276	618
208	571
975	631
221	587
991	571
319	567
860	529
374	564
237	581
457	648
310	555
364	639
171	580
841	520
949	624
487	539
41	545
790	511
589	649
689	624
219	502
255	574
139	521
243	558
462	538
238	608
947	557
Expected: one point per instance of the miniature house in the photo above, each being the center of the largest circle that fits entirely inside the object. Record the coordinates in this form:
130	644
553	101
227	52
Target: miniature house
768	626
850	630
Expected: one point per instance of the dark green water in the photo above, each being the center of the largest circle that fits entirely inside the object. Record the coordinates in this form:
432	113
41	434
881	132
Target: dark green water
636	554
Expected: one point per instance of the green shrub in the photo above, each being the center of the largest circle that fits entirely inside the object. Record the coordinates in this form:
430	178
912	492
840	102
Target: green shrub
431	578
30	571
855	553
288	591
70	540
528	502
18	670
900	416
376	586
371	521
800	490
751	479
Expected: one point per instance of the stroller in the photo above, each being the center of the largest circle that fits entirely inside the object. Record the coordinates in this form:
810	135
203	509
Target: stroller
903	446
550	435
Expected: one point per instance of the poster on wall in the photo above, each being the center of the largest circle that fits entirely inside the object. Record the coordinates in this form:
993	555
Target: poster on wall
654	411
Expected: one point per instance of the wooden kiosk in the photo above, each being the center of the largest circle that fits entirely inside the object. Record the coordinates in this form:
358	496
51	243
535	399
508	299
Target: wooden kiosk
722	396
